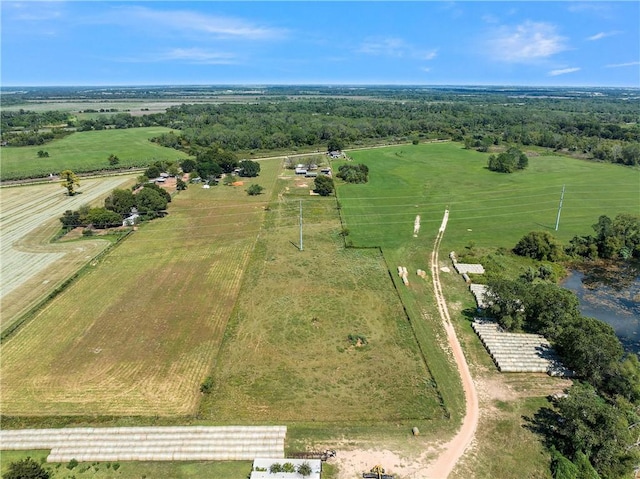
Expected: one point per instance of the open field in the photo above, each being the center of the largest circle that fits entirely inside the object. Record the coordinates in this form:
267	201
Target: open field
137	334
134	470
31	266
287	356
226	292
87	151
491	209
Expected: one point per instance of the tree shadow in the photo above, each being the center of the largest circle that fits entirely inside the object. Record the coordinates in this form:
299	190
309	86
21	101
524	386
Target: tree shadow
543	424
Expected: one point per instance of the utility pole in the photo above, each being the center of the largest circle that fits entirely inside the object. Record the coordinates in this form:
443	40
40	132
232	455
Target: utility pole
559	208
300	225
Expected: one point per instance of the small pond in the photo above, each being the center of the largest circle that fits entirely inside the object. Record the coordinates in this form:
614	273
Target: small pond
612	296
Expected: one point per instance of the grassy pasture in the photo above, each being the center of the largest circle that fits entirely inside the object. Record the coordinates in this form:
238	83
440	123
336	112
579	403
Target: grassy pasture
137	334
491	209
287	356
133	469
87	151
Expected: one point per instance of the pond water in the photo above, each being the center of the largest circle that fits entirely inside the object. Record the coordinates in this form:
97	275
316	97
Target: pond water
614	298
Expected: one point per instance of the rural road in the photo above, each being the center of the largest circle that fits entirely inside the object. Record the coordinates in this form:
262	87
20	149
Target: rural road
454	449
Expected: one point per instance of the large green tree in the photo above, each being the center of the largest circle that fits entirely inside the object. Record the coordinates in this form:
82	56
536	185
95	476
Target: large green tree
587	423
121	201
591	348
249	168
103	218
150	202
540	245
323	185
69	181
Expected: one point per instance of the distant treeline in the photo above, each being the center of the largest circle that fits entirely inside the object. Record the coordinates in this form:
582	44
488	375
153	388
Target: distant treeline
602	127
591	127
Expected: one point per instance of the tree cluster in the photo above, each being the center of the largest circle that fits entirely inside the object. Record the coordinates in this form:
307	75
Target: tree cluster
590	430
212	162
353	173
613	239
323	185
509	161
248	168
150	202
539	245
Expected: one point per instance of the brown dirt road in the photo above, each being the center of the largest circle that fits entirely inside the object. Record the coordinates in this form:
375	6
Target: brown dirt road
431	463
454	449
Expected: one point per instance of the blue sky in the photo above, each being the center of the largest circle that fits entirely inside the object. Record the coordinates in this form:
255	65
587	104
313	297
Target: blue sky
531	43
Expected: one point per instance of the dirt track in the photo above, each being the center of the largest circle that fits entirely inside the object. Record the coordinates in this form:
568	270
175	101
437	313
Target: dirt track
423	466
455	448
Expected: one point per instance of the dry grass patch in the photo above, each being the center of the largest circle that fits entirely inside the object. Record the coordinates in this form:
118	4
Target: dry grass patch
288	355
32	267
137	334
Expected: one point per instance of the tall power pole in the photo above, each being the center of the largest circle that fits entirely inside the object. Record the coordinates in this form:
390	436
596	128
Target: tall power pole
300	225
559	208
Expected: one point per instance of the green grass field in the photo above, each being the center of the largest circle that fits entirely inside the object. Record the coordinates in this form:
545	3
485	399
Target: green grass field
287	356
133	470
87	151
491	209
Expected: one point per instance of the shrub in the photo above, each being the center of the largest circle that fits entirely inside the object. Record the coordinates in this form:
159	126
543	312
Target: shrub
26	469
254	190
304	469
207	385
288	467
275	468
72	464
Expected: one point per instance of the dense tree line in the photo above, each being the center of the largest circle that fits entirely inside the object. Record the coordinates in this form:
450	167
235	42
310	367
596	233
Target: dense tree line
601	133
32	120
604	128
591	430
617	238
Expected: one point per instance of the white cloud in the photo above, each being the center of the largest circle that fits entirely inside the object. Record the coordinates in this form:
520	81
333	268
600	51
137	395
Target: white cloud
394	47
199	56
425	69
601	35
525	43
619	65
192	22
563	71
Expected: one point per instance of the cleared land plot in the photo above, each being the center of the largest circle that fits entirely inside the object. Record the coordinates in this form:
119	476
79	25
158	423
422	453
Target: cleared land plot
31	266
288	356
87	151
491	209
137	334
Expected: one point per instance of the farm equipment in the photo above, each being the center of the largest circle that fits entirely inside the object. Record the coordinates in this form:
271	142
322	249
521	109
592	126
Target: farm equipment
322	455
377	472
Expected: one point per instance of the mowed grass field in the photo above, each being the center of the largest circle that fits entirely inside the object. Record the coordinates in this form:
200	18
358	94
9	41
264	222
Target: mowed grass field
87	151
287	356
491	209
31	266
137	334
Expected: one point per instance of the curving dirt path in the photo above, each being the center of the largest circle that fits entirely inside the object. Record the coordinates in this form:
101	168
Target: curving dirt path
454	449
